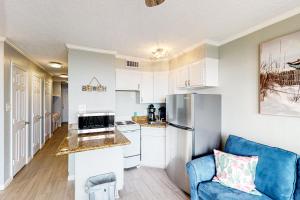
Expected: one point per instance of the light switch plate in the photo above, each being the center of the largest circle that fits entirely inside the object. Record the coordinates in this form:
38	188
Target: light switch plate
82	108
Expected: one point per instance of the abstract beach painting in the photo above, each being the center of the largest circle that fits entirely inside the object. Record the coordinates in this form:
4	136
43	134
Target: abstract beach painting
280	76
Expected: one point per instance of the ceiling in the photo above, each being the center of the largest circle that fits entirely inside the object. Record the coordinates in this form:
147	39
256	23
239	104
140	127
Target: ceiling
41	28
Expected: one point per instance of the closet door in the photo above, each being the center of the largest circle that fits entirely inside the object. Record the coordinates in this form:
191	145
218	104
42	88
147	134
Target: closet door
19	115
36	113
47	111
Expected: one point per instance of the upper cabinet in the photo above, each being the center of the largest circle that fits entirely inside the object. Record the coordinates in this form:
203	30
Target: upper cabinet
146	88
203	73
154	87
127	79
182	76
160	85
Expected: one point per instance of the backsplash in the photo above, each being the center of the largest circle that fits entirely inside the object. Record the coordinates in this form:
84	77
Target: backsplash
127	103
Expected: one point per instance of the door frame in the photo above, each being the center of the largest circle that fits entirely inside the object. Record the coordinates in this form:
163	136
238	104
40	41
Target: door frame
41	113
44	109
12	65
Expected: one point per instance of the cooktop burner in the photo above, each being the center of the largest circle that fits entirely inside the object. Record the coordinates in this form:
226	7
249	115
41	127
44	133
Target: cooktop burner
125	123
129	122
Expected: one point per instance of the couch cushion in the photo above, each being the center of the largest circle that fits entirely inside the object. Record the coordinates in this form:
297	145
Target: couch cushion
297	192
216	191
276	168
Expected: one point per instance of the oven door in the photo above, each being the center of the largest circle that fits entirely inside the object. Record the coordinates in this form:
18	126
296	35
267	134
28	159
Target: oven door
134	148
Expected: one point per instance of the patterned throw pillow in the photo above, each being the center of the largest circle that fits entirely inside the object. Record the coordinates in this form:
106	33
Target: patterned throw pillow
237	172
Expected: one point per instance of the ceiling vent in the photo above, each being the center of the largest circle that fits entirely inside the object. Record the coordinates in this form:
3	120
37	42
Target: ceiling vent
132	64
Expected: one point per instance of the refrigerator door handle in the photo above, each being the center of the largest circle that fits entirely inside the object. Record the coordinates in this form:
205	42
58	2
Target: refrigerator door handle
180	127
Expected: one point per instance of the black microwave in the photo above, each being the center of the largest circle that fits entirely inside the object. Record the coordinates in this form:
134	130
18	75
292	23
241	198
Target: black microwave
96	122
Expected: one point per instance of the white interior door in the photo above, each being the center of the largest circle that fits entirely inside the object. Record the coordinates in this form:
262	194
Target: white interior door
65	106
36	113
19	115
47	110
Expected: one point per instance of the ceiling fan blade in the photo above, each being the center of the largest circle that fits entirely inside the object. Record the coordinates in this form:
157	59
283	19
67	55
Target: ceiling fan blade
151	3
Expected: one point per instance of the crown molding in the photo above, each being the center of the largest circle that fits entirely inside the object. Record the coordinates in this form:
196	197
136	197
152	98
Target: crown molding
13	45
262	25
206	41
125	57
84	48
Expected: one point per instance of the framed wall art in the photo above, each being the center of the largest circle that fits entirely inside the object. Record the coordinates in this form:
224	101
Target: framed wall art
280	76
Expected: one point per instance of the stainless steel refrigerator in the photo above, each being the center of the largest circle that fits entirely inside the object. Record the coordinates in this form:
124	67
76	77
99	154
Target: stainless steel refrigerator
193	129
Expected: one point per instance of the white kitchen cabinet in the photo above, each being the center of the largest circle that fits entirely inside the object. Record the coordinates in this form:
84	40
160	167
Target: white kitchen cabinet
203	73
127	79
196	74
182	76
160	84
153	147
146	87
154	87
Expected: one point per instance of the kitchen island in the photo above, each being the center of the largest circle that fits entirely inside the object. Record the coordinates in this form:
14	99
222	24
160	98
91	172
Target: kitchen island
95	154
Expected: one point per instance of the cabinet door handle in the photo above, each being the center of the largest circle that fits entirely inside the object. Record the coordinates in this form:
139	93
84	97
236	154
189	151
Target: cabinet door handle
185	83
189	82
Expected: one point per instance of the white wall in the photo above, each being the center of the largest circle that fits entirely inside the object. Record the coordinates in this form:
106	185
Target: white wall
1	113
239	83
82	67
127	103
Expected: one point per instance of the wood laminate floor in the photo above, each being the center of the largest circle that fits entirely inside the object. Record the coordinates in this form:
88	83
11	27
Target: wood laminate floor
45	178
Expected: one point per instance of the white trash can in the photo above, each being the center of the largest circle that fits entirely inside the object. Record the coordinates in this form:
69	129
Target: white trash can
101	187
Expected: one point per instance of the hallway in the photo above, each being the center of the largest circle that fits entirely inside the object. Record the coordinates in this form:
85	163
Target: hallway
45	177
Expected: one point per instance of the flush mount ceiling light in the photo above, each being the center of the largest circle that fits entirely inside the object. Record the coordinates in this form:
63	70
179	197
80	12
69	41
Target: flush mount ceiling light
152	3
63	76
56	65
159	53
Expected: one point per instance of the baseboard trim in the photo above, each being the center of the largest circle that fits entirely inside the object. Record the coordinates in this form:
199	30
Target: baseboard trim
71	177
7	182
28	159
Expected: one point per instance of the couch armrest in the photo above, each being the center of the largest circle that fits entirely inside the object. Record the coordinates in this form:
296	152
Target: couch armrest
200	170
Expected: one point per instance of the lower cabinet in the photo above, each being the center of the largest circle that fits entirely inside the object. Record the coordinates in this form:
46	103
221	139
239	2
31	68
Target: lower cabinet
153	147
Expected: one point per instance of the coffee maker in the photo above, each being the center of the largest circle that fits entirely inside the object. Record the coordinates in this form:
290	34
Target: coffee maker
162	113
151	114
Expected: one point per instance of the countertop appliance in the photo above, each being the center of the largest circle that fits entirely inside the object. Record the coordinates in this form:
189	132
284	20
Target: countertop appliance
132	152
151	113
193	129
91	122
162	113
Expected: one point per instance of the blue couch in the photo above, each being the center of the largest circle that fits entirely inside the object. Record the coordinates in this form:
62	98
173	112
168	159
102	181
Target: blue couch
277	173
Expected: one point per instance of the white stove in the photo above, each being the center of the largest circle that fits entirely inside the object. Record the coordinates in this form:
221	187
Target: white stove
132	152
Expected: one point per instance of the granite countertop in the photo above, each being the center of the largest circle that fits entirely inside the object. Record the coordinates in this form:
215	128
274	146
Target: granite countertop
75	143
143	121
